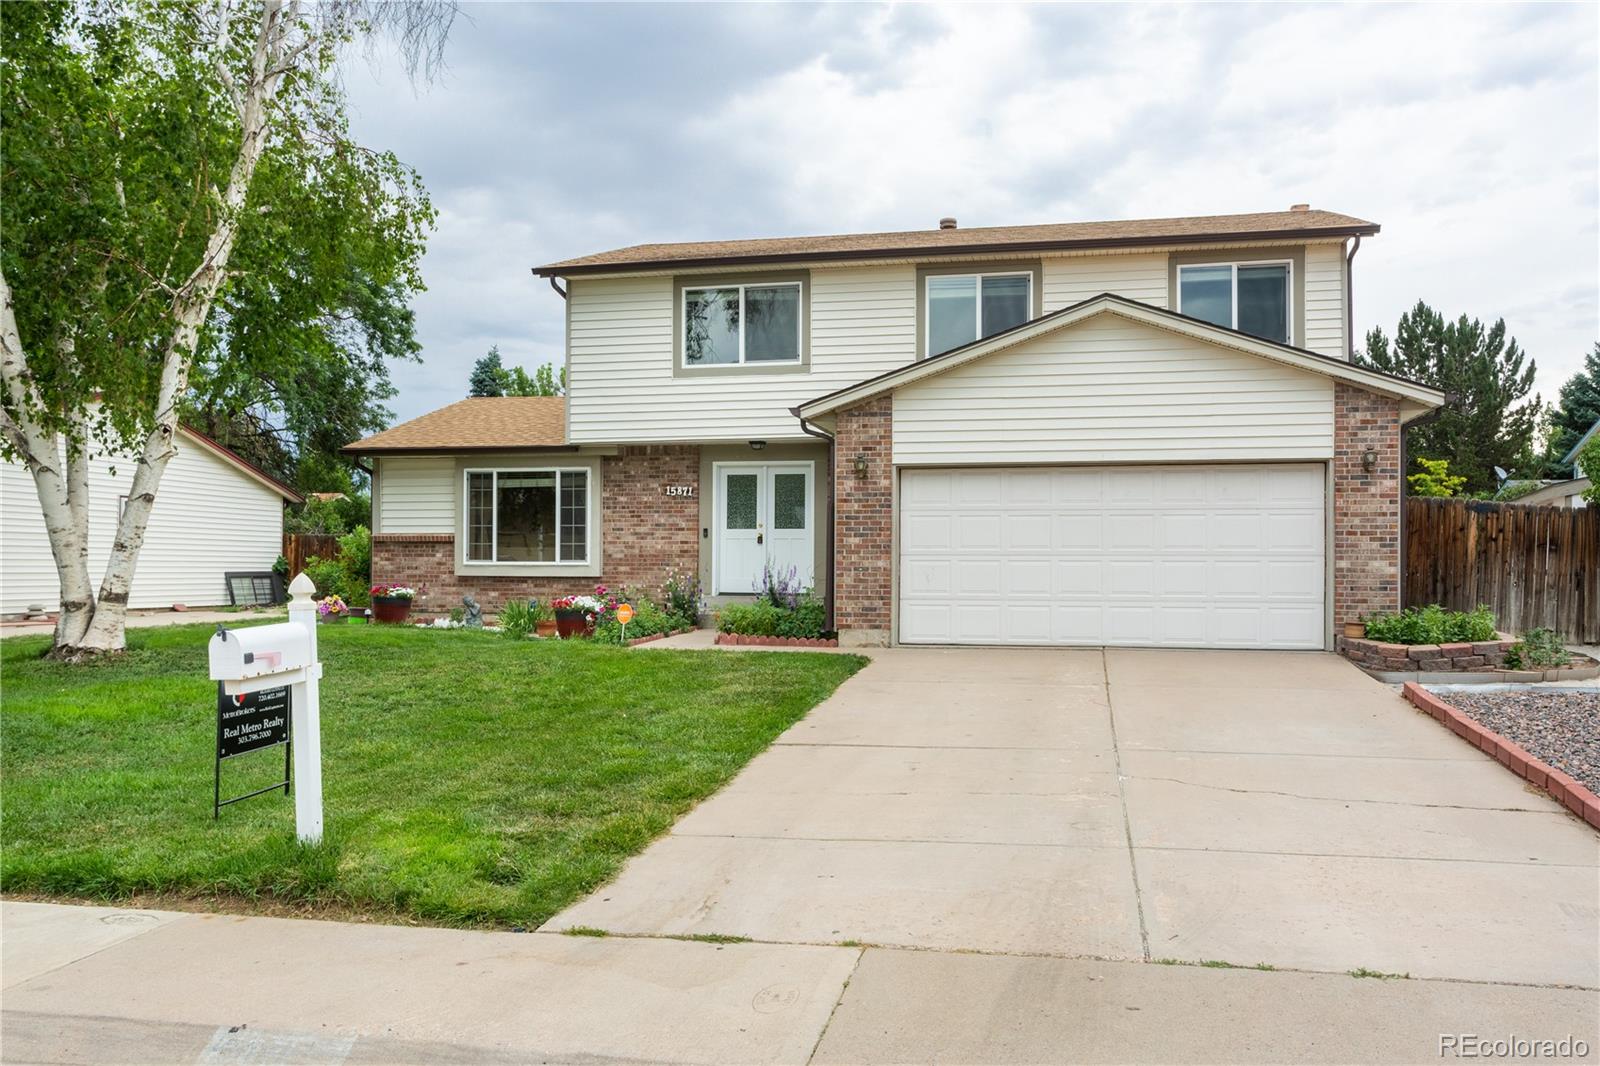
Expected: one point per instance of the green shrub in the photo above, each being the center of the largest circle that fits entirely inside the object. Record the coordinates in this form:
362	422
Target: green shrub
648	620
1431	625
765	619
329	577
516	620
355	554
1538	647
681	598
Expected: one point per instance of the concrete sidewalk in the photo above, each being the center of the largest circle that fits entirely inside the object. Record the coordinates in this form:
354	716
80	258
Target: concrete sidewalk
100	985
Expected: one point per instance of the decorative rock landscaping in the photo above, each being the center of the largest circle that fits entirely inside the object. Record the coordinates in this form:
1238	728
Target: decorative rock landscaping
1558	727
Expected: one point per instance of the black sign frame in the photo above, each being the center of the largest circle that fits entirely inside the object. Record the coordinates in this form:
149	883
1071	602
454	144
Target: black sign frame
225	703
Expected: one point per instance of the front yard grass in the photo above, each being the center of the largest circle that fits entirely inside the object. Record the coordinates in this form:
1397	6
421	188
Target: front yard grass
468	779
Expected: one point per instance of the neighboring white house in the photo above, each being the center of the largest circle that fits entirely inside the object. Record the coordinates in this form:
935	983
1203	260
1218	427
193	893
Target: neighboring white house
214	514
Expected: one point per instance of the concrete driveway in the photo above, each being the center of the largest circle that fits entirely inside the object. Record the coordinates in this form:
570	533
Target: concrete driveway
1238	807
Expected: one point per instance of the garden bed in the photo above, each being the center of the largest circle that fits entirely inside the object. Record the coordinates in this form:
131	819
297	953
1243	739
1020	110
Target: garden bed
1548	737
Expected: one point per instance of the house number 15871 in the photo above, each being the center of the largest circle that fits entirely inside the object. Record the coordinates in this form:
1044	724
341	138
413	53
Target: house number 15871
680	490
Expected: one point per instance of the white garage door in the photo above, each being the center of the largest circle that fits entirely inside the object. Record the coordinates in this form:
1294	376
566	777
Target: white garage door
1173	556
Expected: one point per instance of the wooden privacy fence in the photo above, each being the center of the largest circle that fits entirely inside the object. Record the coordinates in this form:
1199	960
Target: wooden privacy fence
298	547
1535	566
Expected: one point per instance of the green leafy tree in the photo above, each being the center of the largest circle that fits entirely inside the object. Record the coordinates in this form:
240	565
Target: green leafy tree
1489	420
188	224
1577	408
488	375
1588	461
1435	479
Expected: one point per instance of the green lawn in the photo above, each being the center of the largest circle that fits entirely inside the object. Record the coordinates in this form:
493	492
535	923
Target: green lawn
467	779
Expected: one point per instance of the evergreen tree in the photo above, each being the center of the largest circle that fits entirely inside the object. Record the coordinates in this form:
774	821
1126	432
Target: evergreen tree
1488	421
1577	408
488	376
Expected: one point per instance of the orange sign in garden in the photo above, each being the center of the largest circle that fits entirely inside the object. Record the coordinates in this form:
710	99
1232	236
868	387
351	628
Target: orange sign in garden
624	613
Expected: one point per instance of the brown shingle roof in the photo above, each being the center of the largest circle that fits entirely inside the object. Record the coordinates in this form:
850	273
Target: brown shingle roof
1269	225
476	423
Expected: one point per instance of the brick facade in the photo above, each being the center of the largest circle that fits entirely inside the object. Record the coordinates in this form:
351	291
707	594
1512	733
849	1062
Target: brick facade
645	534
864	522
1366	505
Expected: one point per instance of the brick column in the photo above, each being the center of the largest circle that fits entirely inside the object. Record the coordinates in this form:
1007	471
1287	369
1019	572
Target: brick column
863	509
1366	504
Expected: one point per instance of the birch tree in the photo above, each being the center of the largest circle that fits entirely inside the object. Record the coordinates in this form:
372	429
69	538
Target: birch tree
172	173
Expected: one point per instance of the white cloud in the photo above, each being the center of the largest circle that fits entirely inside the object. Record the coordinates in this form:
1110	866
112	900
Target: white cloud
1469	132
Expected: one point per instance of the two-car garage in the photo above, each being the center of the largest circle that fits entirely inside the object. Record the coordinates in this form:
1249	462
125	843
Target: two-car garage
1224	555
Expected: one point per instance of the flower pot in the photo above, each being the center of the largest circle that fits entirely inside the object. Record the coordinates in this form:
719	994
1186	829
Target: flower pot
571	622
390	609
1355	630
333	619
545	627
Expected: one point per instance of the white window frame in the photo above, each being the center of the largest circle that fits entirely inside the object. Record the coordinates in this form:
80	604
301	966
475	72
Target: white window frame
977	310
1234	265
494	528
799	323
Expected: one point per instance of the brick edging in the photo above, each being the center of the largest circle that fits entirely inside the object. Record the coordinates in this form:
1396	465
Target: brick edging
1563	788
746	640
636	641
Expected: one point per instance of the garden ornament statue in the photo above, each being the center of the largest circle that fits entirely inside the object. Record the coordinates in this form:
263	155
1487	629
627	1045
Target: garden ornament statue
474	616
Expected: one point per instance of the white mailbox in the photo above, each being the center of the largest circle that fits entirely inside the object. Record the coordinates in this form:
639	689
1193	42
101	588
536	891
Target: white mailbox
260	657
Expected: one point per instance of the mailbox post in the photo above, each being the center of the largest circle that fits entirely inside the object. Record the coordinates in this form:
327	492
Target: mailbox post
277	656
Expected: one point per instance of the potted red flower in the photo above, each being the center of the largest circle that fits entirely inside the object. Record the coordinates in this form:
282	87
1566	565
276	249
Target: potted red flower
392	603
577	615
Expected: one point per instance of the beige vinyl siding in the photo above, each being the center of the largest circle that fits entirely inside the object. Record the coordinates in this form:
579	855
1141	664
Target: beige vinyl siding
416	495
1071	279
209	518
1324	296
622	386
1112	390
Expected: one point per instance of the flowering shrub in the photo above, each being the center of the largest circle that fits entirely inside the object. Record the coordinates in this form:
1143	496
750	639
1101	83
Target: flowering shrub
682	598
781	588
332	607
398	592
648	620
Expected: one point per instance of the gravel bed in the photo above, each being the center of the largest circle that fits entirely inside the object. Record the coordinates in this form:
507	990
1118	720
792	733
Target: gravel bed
1560	727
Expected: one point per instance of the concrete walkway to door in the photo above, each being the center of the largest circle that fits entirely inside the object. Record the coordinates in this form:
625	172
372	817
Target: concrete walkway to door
1248	808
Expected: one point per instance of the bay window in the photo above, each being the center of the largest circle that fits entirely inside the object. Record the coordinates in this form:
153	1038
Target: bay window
962	308
756	324
1252	298
527	516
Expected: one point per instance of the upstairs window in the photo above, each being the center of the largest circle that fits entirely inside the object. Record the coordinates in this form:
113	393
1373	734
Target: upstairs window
527	516
962	308
727	325
1249	297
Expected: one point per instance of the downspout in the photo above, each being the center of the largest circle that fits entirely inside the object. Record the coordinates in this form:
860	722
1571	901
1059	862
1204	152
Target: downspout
556	284
1349	302
827	598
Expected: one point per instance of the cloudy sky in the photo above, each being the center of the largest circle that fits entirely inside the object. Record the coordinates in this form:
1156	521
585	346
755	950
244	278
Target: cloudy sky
1468	132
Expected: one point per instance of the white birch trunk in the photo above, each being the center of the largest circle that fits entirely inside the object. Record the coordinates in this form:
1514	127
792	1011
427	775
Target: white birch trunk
107	631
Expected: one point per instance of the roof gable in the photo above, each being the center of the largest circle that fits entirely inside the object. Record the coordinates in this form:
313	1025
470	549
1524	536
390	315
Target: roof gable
1421	396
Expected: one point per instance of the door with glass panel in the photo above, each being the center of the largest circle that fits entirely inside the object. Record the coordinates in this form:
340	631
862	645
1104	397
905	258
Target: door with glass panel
764	519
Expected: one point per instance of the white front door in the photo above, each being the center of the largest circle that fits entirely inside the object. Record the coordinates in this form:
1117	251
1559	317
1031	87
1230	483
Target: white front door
763	520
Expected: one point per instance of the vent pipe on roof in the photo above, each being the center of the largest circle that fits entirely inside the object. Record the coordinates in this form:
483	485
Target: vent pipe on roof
1299	207
947	223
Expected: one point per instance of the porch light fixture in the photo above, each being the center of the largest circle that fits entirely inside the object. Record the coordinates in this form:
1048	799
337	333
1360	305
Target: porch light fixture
1369	460
757	445
859	465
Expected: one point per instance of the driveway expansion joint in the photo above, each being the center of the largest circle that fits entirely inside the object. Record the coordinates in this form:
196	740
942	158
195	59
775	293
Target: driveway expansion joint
1344	799
1122	797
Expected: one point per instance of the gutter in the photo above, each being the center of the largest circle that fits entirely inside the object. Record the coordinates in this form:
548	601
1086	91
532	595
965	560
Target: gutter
833	450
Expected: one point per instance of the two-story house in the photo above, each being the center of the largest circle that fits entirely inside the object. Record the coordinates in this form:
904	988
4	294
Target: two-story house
1141	432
